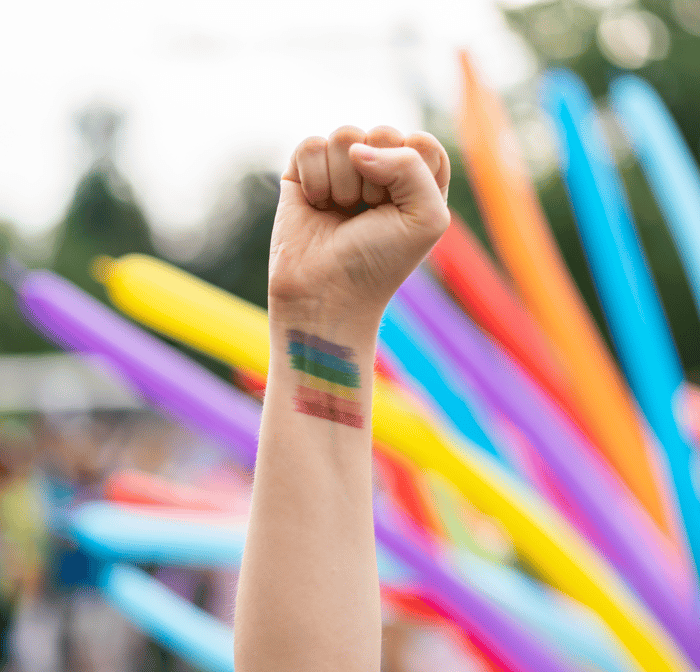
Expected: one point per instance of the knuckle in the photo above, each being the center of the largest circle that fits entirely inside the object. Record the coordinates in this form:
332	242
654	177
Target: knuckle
439	219
385	136
435	219
314	144
428	147
346	136
422	141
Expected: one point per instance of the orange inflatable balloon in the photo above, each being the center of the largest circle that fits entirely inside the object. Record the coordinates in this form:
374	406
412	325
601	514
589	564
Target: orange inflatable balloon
524	242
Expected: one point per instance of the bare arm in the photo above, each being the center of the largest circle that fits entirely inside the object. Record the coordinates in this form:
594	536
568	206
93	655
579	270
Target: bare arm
308	597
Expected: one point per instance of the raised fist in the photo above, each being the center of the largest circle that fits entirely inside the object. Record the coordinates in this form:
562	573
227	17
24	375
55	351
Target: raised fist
357	213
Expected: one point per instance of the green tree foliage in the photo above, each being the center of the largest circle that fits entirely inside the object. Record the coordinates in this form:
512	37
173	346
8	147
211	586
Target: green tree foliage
15	335
102	218
99	222
240	264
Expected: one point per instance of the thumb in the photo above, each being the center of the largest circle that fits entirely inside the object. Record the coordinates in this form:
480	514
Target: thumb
407	178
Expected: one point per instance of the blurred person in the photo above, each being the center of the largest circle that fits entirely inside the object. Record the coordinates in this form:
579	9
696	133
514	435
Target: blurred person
69	627
78	453
22	530
357	213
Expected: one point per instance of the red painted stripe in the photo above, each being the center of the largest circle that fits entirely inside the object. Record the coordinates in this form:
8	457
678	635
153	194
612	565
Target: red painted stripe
328	413
311	396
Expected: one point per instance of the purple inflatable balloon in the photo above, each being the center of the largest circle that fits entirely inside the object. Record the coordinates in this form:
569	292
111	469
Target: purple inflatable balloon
76	321
516	647
623	535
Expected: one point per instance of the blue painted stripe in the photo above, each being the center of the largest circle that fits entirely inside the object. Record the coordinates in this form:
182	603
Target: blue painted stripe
331	361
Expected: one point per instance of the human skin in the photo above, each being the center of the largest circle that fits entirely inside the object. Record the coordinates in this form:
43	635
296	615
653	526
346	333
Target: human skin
357	213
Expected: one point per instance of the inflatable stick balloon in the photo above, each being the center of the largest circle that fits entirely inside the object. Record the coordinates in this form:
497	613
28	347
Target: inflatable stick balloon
153	535
621	273
450	399
406	489
605	504
175	623
169	619
520	234
135	487
544	538
240	333
74	320
417	611
668	164
464	266
146	535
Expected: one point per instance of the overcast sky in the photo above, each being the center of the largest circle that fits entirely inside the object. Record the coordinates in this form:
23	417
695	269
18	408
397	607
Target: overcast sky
207	85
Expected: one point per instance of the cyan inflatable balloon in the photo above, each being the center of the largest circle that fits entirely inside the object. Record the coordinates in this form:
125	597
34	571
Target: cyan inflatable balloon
668	164
412	352
621	274
169	619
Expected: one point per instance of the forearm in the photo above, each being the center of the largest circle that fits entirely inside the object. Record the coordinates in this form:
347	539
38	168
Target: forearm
308	595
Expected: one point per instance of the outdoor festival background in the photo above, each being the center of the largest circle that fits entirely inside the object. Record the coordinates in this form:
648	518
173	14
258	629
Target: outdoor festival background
163	132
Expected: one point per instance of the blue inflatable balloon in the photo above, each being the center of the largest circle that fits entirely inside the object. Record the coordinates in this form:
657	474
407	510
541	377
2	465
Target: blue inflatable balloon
412	353
668	164
621	274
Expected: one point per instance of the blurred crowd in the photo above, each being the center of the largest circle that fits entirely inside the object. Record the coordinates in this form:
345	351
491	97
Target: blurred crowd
51	617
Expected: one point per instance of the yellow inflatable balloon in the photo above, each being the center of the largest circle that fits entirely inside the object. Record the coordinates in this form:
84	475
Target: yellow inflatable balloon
188	309
202	316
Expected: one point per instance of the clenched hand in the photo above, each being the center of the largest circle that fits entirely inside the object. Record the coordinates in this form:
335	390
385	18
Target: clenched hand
357	213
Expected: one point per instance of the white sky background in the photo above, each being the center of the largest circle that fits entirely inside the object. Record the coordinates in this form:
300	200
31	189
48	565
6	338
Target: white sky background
210	84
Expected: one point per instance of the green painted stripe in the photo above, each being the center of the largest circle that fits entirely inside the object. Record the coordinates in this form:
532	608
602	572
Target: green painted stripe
301	363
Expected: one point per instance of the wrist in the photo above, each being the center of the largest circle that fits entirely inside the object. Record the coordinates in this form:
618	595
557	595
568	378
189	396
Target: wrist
326	319
325	367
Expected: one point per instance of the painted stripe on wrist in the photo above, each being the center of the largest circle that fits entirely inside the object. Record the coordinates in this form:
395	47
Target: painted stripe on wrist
311	396
302	363
323	358
328	391
336	390
310	341
329	413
